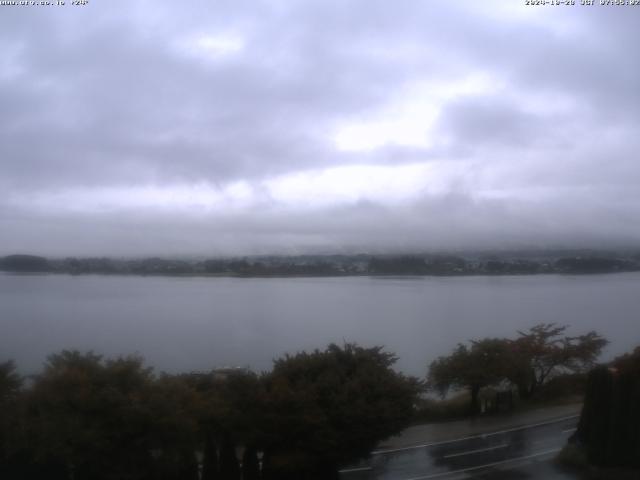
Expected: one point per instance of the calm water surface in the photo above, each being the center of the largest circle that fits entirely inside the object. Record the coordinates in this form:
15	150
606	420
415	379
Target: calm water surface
183	324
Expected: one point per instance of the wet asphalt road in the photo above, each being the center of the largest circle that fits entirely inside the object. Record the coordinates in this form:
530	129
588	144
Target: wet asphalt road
522	452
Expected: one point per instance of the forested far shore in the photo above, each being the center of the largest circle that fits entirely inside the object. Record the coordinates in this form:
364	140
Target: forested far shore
522	263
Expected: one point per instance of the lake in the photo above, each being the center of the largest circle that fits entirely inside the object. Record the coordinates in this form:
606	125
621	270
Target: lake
183	324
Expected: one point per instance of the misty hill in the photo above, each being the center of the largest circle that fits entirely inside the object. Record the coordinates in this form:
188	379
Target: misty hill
24	263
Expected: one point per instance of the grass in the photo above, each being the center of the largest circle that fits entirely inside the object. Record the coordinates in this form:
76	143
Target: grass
562	390
434	410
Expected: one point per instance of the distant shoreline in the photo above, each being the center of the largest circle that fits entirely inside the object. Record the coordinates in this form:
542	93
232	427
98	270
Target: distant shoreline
302	276
331	266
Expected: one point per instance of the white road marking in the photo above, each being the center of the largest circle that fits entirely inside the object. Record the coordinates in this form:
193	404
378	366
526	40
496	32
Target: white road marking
479	435
486	465
357	469
479	450
569	430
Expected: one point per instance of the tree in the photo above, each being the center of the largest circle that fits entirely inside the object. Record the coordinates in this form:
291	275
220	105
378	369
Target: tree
90	417
250	464
545	351
229	465
480	365
10	381
175	409
231	416
331	407
609	427
10	384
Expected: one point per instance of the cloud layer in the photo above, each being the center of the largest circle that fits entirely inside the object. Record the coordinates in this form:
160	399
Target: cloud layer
242	127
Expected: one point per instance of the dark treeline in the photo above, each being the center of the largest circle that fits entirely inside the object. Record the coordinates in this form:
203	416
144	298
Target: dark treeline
86	417
609	430
338	265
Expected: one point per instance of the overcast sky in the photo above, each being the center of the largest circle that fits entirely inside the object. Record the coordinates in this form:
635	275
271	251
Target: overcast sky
218	128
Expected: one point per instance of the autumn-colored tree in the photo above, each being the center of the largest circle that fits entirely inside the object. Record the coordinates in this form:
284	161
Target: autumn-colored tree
544	351
88	416
481	364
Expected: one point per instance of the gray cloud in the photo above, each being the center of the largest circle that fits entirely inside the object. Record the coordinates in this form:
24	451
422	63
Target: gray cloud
112	95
